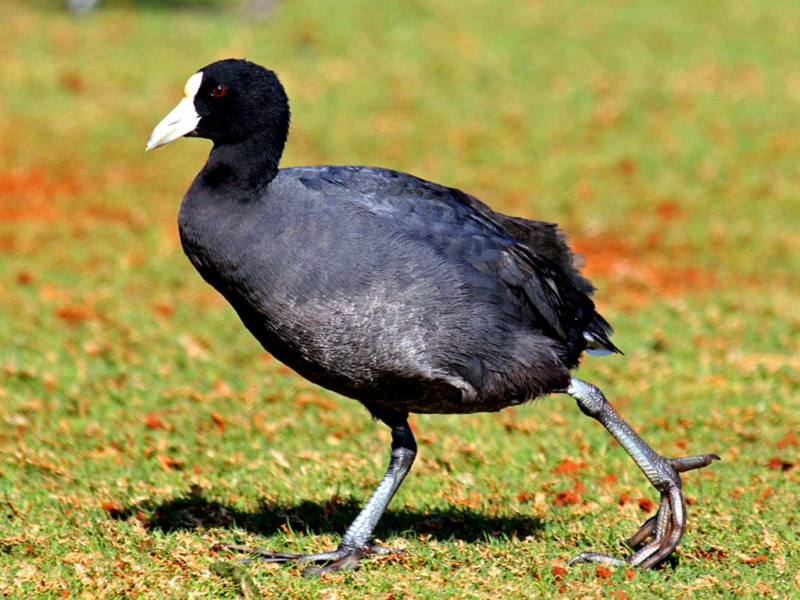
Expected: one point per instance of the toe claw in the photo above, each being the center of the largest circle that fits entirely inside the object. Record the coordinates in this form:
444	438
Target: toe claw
382	550
261	553
596	557
349	562
646	531
689	463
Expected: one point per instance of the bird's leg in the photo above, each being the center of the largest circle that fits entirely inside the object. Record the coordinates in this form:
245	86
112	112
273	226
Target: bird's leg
356	542
660	535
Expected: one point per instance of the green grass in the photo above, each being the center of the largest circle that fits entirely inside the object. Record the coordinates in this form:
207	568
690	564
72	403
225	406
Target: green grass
140	424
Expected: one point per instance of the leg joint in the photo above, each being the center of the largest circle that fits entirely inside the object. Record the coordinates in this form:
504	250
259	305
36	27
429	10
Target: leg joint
590	399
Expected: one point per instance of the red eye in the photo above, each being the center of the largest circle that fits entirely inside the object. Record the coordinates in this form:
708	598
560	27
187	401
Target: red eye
219	91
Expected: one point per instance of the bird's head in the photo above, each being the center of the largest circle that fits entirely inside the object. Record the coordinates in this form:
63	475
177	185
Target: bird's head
227	102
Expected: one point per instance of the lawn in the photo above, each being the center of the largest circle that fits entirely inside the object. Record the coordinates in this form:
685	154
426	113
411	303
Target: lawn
140	424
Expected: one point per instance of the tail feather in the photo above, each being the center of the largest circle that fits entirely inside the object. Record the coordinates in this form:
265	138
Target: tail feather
597	336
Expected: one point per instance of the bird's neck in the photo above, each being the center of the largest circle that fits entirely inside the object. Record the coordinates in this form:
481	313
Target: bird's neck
247	165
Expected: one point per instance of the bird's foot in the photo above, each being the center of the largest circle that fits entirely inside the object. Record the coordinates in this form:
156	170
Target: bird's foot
661	533
344	558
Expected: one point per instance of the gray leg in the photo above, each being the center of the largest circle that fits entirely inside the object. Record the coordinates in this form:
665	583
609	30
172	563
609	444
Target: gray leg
404	450
356	542
665	530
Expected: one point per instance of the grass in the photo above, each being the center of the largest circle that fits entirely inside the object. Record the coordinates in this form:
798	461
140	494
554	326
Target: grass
140	424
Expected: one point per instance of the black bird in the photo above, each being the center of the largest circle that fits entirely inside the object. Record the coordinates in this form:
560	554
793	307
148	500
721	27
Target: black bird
403	294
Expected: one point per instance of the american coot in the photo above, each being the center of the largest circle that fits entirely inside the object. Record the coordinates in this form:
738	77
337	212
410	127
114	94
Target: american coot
403	294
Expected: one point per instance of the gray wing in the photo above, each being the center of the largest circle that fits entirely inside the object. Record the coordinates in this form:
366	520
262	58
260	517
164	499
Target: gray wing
532	258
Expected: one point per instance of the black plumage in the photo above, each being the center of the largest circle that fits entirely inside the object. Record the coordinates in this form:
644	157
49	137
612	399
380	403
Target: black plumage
403	294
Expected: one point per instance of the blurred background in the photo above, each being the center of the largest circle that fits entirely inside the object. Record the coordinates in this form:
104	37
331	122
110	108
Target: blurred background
139	422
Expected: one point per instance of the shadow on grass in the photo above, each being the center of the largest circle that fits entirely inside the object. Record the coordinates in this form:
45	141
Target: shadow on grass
193	511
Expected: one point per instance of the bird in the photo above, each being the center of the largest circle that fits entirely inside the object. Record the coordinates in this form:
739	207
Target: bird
403	294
